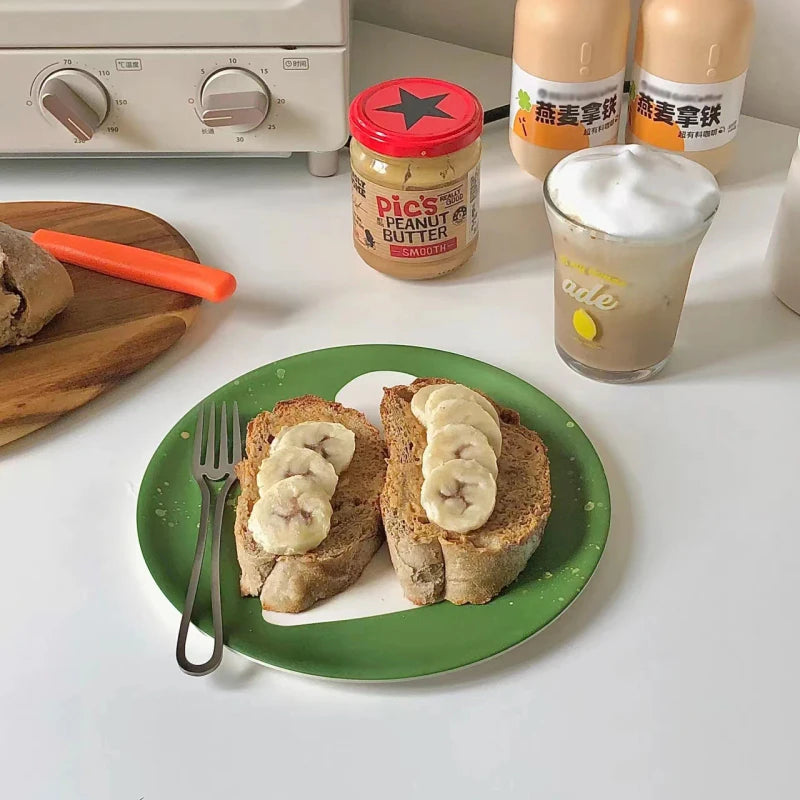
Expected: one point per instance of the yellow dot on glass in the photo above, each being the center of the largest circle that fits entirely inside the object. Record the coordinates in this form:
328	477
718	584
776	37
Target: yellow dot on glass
584	325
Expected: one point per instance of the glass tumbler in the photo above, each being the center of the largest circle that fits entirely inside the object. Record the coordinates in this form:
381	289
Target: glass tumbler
618	300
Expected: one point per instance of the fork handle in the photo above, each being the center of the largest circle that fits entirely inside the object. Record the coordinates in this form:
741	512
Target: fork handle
216	596
191	594
216	599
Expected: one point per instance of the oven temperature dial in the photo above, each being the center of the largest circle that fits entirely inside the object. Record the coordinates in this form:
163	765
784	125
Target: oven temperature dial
233	98
75	99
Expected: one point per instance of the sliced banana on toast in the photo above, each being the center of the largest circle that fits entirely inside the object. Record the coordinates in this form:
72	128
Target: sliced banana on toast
289	462
291	517
428	397
459	411
459	495
458	442
455	391
333	441
419	400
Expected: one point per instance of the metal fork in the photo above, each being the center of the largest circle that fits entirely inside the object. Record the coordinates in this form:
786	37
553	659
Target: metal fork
216	465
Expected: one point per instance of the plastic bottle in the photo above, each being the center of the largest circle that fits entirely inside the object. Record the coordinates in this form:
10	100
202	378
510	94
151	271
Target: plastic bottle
784	246
690	66
568	77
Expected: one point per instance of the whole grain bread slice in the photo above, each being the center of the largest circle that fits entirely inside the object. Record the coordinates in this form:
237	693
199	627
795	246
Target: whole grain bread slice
434	564
295	583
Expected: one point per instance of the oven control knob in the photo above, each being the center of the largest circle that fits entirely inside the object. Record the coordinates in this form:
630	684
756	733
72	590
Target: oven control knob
75	99
233	98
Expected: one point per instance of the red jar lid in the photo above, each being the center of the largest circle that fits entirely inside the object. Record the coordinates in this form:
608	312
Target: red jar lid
416	117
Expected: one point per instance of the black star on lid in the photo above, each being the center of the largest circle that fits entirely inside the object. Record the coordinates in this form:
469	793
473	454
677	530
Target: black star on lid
414	108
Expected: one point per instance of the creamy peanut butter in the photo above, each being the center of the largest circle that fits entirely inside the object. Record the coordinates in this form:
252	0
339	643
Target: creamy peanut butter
415	158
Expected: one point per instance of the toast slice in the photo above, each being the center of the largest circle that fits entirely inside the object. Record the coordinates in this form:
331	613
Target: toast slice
434	564
294	583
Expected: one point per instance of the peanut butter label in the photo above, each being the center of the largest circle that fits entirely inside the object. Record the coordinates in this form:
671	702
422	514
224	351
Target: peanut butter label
684	117
419	226
565	116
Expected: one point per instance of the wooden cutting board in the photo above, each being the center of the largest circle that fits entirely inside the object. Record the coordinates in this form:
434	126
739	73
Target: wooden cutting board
110	329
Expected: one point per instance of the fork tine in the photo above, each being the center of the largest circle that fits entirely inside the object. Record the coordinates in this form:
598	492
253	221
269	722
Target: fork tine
198	439
211	445
237	434
224	458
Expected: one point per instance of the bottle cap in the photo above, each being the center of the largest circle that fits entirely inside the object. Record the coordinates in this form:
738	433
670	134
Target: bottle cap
416	118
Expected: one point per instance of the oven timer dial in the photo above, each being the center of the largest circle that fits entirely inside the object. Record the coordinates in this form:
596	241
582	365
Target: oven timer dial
234	98
76	100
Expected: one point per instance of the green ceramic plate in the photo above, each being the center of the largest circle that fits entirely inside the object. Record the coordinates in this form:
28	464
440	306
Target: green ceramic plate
404	644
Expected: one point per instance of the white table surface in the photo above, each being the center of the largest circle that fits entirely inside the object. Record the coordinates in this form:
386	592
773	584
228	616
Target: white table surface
674	675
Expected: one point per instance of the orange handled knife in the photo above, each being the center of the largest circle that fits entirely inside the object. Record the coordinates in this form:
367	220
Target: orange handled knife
138	265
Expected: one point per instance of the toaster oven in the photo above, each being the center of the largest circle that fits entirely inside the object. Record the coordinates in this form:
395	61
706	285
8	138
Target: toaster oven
94	78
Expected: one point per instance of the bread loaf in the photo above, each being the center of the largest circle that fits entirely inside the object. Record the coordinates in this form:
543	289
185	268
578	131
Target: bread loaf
34	287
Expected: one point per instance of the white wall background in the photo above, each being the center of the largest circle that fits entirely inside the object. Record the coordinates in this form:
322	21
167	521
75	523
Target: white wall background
773	85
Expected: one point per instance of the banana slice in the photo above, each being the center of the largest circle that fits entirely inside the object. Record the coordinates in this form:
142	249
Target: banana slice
291	517
290	461
459	496
458	441
465	412
419	400
455	391
331	440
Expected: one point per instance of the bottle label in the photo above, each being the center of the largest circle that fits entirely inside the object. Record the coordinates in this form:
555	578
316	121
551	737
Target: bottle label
685	117
416	226
565	116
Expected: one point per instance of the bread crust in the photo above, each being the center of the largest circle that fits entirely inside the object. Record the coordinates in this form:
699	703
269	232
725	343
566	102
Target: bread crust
294	583
34	287
433	564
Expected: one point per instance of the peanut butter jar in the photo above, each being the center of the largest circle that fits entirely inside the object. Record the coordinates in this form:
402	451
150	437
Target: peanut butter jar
415	157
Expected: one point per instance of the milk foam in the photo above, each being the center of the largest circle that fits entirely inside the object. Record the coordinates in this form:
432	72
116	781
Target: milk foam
634	191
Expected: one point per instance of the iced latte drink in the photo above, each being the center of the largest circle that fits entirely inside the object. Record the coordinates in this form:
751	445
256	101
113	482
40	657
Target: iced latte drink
627	222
